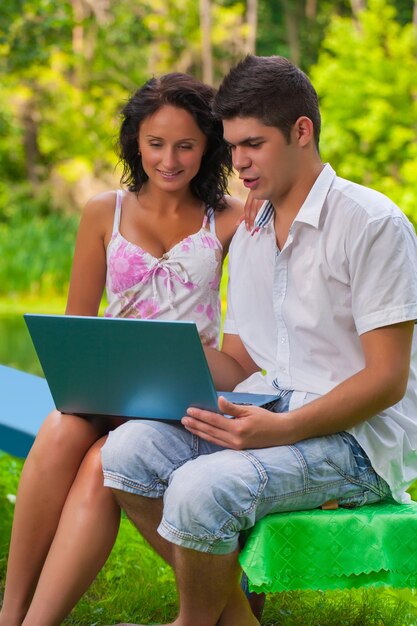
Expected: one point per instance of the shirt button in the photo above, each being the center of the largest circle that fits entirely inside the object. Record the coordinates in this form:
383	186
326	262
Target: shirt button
283	340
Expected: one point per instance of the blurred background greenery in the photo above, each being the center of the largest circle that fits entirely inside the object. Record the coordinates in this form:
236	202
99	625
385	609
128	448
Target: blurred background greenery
67	68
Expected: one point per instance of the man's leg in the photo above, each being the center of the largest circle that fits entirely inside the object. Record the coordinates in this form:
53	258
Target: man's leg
140	458
146	515
209	500
138	461
235	489
208	585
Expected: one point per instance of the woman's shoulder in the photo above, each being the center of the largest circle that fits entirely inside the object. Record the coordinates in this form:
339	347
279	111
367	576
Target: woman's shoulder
228	220
98	213
103	202
233	209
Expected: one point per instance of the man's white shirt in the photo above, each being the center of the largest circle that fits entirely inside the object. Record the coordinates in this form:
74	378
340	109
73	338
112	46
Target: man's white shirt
348	266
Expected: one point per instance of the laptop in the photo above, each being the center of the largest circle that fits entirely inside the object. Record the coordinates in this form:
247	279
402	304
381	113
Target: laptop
126	368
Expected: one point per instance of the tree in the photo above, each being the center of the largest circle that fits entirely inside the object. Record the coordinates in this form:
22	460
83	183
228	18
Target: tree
206	52
252	23
366	78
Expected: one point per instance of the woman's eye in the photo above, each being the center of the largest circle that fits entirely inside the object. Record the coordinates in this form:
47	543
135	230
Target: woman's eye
185	146
155	145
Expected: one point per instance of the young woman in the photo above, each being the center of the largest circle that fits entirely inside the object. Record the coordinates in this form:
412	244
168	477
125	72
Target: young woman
158	246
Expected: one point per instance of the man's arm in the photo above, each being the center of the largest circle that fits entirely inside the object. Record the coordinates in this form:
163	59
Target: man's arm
379	385
230	366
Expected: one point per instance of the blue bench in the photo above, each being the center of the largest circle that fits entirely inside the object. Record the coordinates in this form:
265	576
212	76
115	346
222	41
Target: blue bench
25	400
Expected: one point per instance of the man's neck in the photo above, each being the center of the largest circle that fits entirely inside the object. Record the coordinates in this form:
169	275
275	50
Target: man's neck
288	207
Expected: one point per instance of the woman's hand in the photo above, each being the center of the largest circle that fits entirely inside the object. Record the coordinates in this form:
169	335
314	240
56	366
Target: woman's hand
250	211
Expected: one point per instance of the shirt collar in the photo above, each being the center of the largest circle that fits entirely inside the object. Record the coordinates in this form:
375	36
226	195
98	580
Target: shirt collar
311	208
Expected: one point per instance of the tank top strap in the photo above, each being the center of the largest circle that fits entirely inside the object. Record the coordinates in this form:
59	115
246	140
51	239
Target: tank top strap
117	211
209	218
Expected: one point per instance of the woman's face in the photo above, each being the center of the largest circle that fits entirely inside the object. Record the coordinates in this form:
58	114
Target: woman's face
172	146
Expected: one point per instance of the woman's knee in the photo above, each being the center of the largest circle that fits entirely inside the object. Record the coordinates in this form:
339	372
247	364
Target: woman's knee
62	439
90	481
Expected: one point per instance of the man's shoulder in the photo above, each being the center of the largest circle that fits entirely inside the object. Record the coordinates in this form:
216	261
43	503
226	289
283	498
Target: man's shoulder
361	200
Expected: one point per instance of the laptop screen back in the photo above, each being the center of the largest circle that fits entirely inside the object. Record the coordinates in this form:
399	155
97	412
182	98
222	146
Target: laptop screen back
122	367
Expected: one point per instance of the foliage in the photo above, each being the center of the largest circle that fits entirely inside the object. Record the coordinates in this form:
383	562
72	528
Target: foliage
38	253
67	68
273	35
366	76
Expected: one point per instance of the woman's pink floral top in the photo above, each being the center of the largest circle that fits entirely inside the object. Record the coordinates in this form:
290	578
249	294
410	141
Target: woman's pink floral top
183	284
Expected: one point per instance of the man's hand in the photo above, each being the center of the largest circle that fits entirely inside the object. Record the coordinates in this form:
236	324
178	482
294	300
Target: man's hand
252	426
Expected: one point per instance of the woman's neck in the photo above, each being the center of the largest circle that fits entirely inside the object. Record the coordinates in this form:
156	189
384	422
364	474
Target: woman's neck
167	201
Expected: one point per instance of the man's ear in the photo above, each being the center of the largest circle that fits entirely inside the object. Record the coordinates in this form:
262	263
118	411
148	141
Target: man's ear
303	130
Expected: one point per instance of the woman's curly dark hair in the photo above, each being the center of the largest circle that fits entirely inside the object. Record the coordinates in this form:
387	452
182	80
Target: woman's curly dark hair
185	92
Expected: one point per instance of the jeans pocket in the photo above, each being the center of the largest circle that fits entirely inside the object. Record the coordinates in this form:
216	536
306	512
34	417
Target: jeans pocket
369	484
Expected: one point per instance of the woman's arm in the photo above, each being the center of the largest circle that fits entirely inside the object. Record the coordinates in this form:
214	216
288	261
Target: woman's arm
88	274
230	366
227	222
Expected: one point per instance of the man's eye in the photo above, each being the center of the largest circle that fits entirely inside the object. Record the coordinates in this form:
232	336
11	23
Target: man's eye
255	145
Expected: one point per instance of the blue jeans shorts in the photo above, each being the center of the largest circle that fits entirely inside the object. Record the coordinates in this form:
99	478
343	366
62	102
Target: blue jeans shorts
212	494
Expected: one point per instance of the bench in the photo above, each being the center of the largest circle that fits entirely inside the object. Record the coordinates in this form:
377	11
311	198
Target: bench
25	401
338	549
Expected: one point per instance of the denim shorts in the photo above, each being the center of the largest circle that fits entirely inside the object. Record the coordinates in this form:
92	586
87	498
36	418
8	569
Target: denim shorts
212	494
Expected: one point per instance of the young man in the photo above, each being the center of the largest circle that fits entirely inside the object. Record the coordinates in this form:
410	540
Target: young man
323	297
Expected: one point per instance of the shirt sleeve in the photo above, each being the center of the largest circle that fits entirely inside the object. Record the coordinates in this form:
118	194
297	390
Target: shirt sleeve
383	264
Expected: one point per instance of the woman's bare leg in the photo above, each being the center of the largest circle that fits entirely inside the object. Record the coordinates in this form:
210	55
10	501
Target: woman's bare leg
47	476
84	538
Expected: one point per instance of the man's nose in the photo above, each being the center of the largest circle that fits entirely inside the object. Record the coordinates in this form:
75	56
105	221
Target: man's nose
240	159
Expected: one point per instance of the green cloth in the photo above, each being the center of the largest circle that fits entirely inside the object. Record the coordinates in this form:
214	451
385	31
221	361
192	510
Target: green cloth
372	545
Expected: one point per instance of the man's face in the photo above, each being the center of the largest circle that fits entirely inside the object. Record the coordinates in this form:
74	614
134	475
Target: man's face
264	160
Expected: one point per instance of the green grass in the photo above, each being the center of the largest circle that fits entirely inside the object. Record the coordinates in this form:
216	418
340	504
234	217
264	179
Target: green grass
137	586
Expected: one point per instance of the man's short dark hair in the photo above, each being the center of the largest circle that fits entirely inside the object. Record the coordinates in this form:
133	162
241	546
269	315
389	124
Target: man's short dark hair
271	89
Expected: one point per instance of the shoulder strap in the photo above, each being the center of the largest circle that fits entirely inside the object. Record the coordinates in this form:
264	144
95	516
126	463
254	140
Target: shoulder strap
211	221
117	211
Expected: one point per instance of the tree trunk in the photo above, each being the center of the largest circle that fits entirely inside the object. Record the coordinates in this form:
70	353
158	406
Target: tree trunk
357	6
252	21
293	35
311	9
78	9
28	116
206	52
